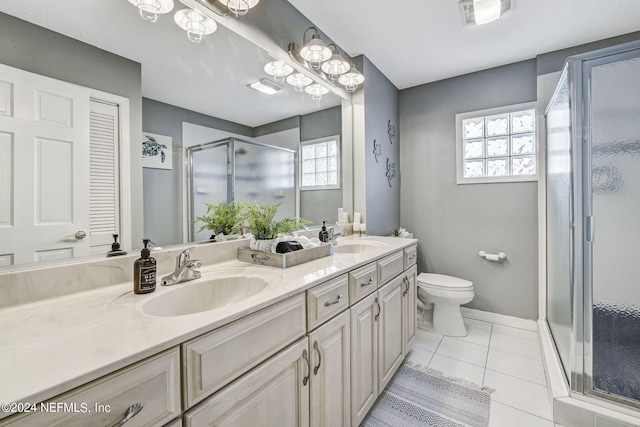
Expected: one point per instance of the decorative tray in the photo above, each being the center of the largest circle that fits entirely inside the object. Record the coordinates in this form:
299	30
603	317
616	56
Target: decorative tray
285	260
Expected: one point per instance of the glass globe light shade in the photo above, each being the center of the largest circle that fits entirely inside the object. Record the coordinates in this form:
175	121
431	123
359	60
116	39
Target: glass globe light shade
335	66
316	91
195	24
239	7
315	52
278	69
351	80
299	81
150	10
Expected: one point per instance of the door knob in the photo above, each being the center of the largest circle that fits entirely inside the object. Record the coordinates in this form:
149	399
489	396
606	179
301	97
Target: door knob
78	236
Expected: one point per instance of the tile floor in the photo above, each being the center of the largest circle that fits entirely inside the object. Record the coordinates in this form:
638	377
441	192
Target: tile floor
506	359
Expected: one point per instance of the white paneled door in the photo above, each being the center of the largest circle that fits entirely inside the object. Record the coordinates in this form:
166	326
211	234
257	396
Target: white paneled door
44	160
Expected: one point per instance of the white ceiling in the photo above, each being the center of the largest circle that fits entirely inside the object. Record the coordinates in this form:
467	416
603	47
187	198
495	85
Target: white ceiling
419	41
210	78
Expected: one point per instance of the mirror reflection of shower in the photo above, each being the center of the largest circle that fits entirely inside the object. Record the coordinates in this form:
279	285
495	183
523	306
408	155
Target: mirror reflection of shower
233	169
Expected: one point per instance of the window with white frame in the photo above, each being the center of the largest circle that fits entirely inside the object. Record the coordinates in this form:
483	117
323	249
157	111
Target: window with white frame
320	164
497	145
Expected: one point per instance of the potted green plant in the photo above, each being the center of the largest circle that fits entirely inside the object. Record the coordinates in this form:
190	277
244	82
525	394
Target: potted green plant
260	221
223	220
395	232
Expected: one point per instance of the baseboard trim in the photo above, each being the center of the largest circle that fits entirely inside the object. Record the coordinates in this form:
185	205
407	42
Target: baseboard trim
500	319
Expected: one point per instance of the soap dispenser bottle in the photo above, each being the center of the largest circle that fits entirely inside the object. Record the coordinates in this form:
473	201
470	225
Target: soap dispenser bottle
144	271
324	234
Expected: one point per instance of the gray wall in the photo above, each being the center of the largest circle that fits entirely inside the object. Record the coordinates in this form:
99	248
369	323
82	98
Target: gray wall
454	222
38	50
163	221
321	205
381	105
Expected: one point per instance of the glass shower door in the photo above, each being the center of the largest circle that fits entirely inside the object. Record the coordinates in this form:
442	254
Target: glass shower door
559	220
612	209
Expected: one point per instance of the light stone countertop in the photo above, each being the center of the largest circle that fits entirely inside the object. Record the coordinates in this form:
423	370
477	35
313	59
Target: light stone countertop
52	346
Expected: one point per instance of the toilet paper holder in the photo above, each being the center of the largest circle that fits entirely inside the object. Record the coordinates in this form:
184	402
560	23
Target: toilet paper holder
493	257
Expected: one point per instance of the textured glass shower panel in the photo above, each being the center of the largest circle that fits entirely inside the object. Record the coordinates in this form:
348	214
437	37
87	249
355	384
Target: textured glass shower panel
559	218
210	183
615	179
266	175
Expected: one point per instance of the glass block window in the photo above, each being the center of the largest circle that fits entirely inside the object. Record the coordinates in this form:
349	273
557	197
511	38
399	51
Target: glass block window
497	145
320	164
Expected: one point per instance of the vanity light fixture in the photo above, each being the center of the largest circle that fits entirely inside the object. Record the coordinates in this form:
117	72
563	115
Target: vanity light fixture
195	24
316	90
335	66
265	86
480	12
150	10
315	52
279	70
351	79
299	81
239	7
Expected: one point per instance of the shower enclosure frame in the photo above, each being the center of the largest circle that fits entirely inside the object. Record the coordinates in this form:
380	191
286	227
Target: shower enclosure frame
231	172
581	230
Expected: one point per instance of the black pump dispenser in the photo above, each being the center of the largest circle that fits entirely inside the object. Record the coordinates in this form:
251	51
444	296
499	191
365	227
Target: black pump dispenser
115	247
324	234
144	271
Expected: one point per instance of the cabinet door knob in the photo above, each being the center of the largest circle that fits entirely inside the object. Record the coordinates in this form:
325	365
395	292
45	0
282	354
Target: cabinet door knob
305	356
132	411
405	279
315	347
379	309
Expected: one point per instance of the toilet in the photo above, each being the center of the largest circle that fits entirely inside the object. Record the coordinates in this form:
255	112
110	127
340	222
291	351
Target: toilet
446	293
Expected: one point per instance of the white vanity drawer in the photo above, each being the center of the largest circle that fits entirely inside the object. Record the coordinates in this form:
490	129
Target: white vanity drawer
326	300
217	358
390	266
410	256
362	281
154	383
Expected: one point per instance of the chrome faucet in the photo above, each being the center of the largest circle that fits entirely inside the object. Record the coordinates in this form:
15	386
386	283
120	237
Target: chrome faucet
333	235
185	269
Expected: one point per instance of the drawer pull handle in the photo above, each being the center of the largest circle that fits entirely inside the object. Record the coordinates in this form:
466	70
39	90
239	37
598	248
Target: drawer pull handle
379	309
370	282
258	257
412	257
132	411
305	356
315	347
327	303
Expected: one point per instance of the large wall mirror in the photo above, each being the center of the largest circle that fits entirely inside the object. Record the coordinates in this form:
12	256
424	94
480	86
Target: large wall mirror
192	93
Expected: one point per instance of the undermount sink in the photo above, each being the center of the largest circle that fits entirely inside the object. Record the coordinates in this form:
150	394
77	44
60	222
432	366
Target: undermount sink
358	247
204	295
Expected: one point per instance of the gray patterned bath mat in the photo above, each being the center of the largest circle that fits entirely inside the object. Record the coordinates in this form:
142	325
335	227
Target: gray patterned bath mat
419	397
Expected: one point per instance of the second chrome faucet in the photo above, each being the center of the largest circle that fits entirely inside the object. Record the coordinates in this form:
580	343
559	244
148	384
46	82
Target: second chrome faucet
185	269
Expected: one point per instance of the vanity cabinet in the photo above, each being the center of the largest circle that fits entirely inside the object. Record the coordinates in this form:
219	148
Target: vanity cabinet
153	383
274	394
382	331
330	356
217	358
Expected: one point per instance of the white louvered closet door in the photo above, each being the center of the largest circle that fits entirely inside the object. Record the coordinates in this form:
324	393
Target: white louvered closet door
104	217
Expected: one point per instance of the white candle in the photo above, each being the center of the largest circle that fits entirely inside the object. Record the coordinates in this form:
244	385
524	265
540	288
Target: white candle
356	217
363	227
356	226
345	217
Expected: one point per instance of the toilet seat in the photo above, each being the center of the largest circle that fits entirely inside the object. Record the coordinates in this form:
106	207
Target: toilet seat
443	282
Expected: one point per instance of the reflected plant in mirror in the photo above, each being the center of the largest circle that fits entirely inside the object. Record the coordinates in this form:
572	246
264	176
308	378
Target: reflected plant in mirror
260	222
224	220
